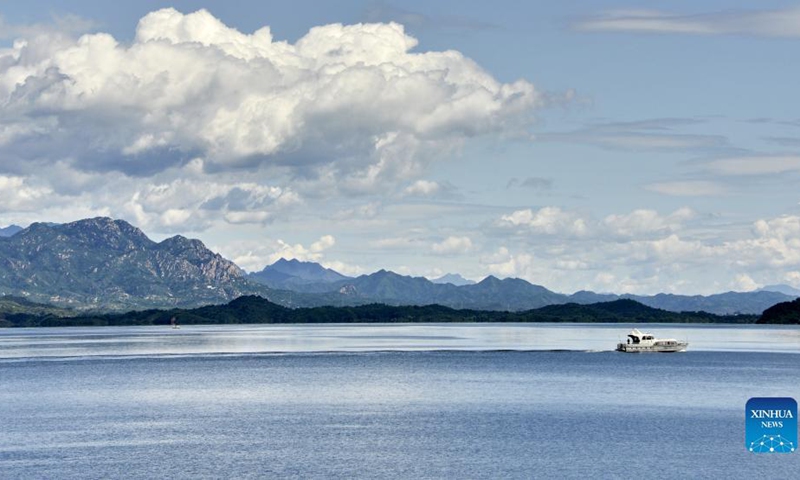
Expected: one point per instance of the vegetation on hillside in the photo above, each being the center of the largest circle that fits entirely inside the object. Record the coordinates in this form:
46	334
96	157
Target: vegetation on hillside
254	309
785	313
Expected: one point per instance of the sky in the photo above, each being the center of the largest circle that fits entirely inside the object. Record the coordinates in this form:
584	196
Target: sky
628	147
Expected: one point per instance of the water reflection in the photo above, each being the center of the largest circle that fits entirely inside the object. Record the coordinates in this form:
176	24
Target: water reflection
218	339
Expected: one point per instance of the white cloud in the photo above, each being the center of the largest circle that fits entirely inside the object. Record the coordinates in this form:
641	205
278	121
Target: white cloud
237	218
644	251
636	224
792	278
768	23
18	194
643	221
547	220
786	226
350	105
452	246
503	264
344	268
324	243
197	203
423	188
744	283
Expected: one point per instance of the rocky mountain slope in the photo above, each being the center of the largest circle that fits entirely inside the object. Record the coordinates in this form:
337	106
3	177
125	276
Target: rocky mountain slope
110	264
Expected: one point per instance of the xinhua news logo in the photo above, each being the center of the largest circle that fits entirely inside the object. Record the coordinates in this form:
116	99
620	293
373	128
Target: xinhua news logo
771	425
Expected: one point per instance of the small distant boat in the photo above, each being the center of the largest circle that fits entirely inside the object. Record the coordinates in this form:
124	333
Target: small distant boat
174	322
645	342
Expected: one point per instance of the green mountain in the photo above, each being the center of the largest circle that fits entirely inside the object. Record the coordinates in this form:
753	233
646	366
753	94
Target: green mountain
393	289
253	309
15	311
786	313
630	311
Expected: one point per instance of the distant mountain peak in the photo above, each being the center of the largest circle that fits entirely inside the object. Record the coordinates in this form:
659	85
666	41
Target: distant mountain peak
103	223
286	273
490	279
453	279
285	261
181	242
784	289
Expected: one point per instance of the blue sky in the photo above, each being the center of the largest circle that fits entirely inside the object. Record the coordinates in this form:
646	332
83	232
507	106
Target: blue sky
627	147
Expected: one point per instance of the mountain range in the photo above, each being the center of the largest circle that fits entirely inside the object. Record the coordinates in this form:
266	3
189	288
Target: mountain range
254	309
107	264
491	293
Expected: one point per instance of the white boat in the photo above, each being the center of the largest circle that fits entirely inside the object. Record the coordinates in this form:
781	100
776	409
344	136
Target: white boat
645	342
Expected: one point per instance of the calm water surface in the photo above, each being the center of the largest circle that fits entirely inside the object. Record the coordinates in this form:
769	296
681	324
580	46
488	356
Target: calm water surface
386	401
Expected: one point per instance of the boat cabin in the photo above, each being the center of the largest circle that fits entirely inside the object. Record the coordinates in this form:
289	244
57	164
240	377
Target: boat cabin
636	337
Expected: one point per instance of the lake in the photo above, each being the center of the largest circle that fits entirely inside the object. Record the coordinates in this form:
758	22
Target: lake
387	401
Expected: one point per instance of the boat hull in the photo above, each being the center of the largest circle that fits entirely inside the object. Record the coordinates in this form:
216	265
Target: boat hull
669	348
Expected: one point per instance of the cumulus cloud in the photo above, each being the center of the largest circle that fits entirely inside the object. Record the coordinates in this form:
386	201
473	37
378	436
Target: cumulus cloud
504	264
354	104
452	246
768	23
547	220
644	221
325	242
745	283
20	195
783	227
196	203
254	256
423	188
645	251
793	278
638	224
